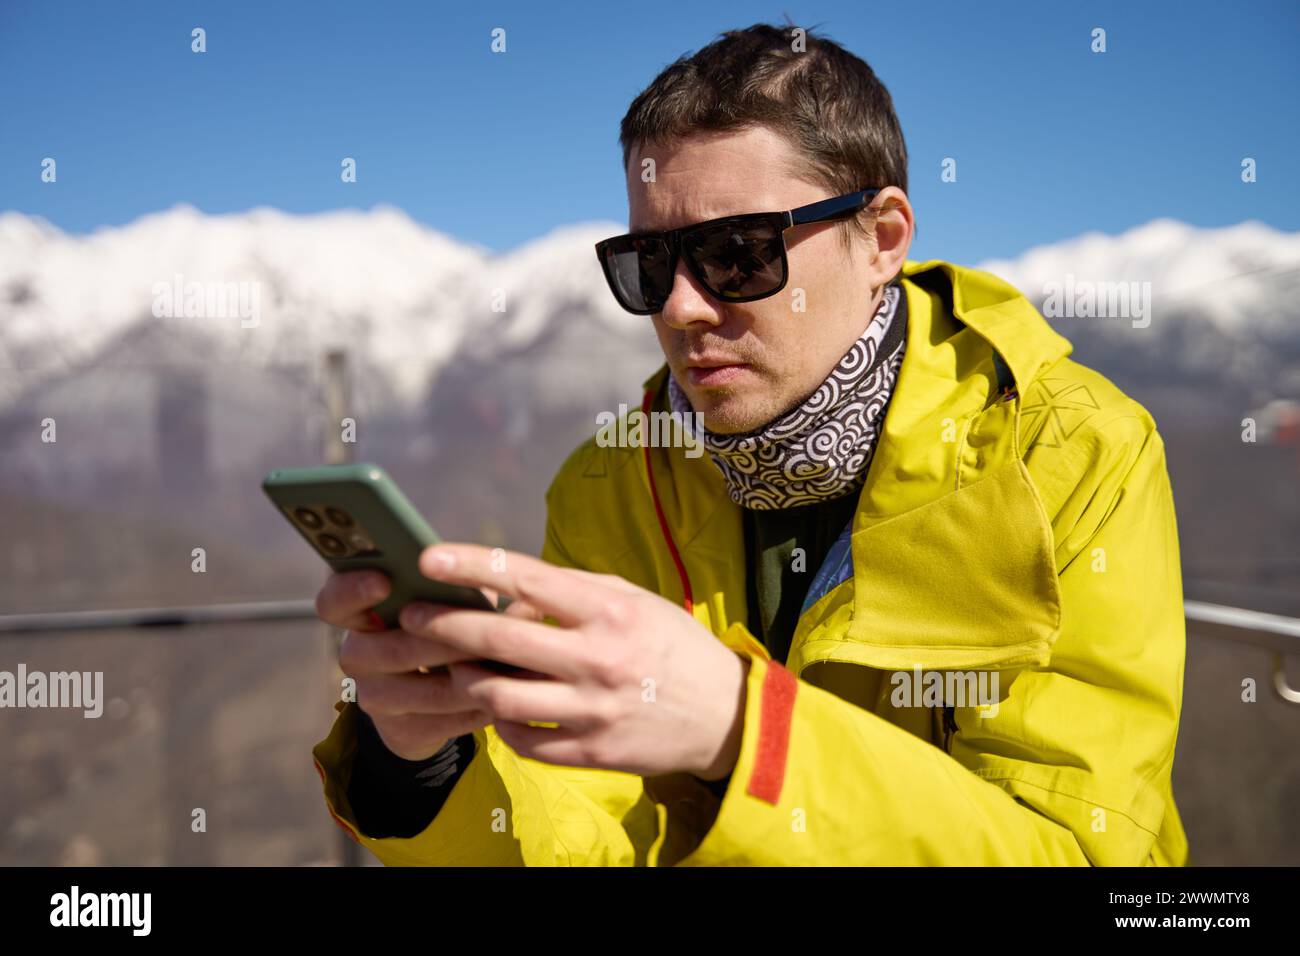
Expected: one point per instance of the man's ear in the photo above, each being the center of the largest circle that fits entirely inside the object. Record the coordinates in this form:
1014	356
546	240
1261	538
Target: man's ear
892	228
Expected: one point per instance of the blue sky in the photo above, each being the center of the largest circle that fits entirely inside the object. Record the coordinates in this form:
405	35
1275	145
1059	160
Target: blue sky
1051	139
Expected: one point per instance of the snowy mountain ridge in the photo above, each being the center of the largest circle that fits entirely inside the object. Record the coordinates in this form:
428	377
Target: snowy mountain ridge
405	299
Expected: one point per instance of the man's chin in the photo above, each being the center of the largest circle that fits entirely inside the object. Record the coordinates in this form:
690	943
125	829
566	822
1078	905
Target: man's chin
741	404
729	414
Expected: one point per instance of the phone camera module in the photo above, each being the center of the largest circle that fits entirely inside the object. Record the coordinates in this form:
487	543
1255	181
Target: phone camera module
359	542
330	544
307	518
338	517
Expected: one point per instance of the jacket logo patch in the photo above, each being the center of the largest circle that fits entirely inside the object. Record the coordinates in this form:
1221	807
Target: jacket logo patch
1062	408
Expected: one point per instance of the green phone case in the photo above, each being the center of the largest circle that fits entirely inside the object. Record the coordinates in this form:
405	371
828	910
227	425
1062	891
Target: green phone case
359	508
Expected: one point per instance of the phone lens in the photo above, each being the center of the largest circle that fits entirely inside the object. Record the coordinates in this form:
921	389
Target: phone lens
339	517
330	544
307	518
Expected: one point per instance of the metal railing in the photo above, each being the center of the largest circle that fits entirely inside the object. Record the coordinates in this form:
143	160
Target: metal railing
1276	633
1272	632
158	617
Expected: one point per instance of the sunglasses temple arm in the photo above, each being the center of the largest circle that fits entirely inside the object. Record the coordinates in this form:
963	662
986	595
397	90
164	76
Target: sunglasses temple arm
830	208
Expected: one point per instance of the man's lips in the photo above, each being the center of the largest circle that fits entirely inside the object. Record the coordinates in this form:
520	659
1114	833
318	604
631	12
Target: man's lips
707	372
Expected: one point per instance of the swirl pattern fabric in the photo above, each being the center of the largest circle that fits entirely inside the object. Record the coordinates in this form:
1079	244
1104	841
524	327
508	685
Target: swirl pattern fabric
820	449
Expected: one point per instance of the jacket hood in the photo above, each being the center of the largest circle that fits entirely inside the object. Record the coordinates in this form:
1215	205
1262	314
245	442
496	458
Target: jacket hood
997	311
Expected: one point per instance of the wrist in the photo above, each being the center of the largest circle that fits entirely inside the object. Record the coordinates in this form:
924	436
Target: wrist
721	758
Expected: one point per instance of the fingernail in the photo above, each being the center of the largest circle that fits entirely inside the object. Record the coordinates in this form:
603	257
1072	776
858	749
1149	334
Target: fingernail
442	560
417	617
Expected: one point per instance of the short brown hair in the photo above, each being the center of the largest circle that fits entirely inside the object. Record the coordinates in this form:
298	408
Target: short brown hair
824	101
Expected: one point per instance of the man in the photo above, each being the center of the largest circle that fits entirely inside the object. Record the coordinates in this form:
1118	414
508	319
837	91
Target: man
757	656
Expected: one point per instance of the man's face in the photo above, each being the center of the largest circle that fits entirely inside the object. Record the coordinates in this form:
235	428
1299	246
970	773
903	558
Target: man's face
744	364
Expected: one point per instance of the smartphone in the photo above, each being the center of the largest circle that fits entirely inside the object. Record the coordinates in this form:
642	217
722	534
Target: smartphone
356	518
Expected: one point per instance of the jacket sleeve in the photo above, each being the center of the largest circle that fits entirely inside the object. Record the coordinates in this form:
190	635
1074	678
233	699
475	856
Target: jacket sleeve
395	797
1073	768
505	810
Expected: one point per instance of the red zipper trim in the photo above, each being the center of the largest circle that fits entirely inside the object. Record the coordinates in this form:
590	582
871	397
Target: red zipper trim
688	600
776	712
337	819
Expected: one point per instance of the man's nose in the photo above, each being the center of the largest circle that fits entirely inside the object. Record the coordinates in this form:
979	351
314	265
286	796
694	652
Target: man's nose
689	303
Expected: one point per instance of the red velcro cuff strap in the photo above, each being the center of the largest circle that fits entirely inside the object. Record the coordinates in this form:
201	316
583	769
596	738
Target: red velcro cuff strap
775	715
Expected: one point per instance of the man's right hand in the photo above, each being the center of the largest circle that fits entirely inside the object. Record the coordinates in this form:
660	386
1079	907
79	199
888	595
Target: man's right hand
414	713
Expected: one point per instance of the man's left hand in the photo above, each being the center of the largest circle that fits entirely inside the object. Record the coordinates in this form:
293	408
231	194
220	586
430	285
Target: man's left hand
633	682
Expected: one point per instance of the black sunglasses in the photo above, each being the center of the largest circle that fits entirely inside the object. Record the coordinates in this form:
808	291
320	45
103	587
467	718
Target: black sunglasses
735	258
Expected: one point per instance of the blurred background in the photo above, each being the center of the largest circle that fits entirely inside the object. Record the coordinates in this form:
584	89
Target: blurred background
128	158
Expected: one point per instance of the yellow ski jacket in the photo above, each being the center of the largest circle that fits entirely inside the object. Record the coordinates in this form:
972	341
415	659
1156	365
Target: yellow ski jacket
1016	521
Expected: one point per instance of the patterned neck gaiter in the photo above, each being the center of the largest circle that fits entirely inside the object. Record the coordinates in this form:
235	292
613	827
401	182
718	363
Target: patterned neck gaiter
820	449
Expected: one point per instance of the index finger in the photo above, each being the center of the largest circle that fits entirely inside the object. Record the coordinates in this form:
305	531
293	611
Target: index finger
553	590
346	597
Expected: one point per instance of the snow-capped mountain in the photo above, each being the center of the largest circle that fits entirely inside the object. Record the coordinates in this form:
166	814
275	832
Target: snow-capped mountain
97	331
404	299
400	297
451	351
1216	269
1224	304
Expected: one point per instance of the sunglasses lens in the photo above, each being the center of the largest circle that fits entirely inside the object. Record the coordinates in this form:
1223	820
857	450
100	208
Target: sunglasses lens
640	272
738	260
